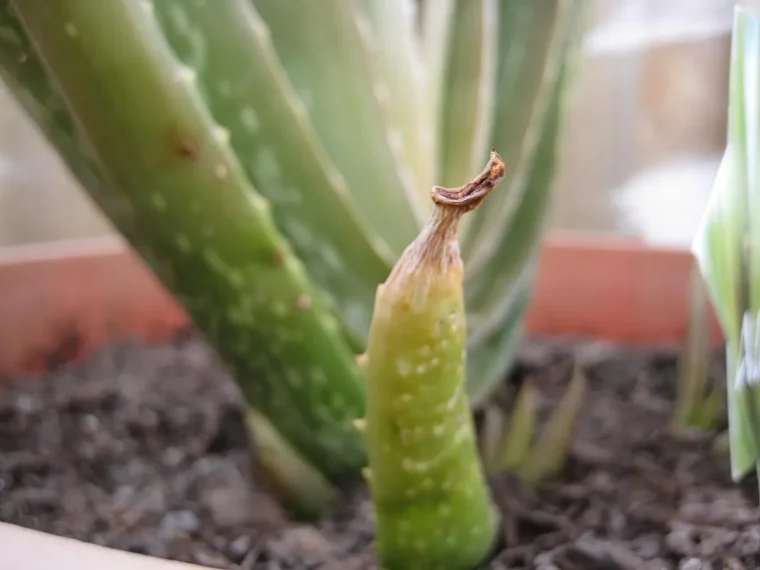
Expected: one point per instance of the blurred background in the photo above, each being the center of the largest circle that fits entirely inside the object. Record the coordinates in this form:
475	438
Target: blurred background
642	142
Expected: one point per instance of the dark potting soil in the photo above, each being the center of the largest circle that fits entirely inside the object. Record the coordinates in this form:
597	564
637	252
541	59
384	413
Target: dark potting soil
143	448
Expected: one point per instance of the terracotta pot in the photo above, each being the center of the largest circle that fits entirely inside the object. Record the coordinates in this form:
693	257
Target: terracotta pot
60	302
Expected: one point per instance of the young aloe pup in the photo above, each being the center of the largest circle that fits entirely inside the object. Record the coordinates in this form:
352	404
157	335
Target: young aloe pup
433	507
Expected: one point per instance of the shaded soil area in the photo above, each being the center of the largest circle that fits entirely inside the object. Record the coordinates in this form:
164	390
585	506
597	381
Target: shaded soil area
143	448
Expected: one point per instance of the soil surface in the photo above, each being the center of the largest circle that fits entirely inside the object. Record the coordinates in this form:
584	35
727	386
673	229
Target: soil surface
143	448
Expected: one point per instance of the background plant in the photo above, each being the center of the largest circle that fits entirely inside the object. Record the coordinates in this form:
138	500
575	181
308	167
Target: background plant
270	160
727	246
697	402
509	441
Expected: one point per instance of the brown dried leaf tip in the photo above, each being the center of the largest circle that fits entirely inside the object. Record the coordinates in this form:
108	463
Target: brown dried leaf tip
469	196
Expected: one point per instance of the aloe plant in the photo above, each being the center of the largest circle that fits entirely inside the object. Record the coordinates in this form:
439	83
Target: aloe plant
270	161
727	246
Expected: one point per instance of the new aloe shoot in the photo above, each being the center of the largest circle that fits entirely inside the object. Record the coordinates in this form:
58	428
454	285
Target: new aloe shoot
432	503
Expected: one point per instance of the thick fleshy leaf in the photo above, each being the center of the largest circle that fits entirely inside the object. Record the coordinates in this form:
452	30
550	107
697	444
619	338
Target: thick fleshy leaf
497	298
727	245
338	83
402	86
436	24
532	46
469	92
302	488
492	292
489	357
250	95
203	225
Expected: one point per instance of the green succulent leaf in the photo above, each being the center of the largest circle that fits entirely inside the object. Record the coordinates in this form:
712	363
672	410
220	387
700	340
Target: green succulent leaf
489	357
727	245
436	25
210	234
468	92
249	94
303	489
338	82
493	292
401	87
693	365
534	40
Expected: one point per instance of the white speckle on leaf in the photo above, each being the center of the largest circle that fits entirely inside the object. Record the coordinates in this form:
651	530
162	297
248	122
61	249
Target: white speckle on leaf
221	171
396	142
364	27
71	30
185	74
403	367
380	89
225	88
237	279
221	134
250	120
183	242
422	368
318	377
337	181
294	378
159	202
303	301
331	257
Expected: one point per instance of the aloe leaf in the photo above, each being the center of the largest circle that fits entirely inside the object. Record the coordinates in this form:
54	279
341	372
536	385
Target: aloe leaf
468	91
548	455
433	507
337	82
492	293
727	245
26	80
489	358
402	90
532	46
496	301
249	94
437	23
494	423
218	248
518	437
300	487
706	416
694	360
